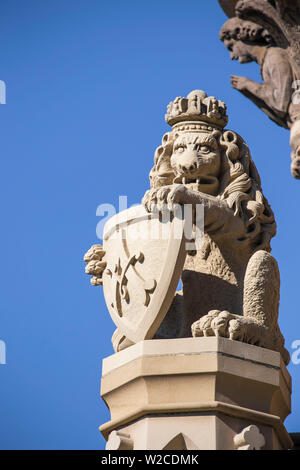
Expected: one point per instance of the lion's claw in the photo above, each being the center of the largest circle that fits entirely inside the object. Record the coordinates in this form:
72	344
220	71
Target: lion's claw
95	266
96	252
166	197
235	327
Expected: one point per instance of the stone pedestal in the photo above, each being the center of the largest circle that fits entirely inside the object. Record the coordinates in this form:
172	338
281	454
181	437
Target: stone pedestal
196	394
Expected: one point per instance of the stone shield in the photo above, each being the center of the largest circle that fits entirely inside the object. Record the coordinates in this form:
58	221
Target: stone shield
145	254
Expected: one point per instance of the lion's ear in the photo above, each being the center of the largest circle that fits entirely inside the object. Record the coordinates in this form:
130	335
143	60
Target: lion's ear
162	173
216	134
158	153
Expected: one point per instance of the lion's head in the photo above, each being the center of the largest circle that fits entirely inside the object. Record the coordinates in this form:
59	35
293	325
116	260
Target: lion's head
217	163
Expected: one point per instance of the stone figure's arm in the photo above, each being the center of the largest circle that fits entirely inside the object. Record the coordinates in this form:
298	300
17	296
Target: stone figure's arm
275	93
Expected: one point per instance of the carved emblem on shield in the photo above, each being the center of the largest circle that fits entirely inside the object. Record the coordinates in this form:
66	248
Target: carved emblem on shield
145	254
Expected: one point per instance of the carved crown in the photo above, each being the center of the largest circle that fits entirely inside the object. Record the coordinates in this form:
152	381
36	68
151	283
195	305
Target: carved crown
199	107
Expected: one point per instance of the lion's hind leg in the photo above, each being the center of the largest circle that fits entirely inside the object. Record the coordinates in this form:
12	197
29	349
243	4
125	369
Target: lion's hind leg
261	301
258	324
261	290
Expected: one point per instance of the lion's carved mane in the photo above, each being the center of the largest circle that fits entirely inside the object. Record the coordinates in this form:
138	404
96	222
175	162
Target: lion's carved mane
240	185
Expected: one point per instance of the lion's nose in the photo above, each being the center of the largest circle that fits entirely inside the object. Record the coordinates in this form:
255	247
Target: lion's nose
188	169
188	162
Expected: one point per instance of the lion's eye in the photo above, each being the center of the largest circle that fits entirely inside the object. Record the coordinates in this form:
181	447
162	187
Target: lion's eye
203	149
180	149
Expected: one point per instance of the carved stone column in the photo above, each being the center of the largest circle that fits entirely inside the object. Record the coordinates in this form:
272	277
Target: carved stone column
196	394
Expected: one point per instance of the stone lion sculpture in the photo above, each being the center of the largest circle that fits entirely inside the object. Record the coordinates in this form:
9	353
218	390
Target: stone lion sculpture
230	287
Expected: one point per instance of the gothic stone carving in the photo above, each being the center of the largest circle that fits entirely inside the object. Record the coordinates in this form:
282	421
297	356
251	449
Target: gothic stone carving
118	440
180	442
249	438
231	285
268	33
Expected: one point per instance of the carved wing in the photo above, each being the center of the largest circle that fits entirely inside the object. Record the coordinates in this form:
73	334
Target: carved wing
229	7
289	10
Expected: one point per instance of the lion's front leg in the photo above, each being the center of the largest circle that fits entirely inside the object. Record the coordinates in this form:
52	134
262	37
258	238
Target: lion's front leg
174	194
218	217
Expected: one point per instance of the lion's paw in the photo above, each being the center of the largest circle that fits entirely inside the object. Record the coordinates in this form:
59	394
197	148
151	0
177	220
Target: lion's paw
213	324
95	266
156	199
227	325
166	198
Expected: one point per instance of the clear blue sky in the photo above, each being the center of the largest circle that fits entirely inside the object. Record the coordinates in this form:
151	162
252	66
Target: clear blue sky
88	82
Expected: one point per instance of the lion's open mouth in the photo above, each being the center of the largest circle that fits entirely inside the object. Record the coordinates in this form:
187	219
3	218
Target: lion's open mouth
201	180
206	184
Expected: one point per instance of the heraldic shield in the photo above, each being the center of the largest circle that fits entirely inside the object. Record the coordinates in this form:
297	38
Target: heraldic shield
145	254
